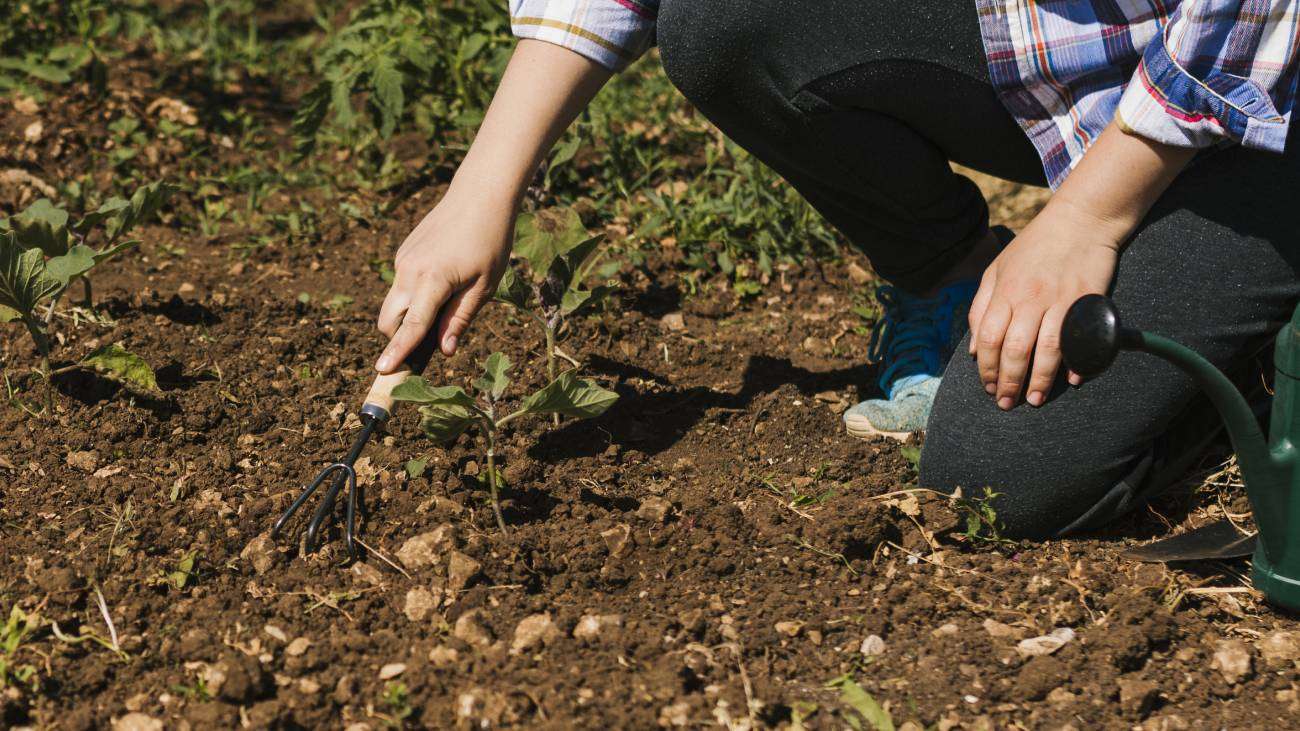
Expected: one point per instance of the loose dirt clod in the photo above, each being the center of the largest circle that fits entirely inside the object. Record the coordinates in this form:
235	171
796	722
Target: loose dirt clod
85	460
425	549
1280	648
137	722
419	604
470	628
1045	644
1232	660
597	627
654	509
1137	695
616	539
260	553
461	570
534	631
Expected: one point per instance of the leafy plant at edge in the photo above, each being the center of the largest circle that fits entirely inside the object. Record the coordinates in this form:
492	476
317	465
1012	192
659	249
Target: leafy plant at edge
448	411
559	251
41	255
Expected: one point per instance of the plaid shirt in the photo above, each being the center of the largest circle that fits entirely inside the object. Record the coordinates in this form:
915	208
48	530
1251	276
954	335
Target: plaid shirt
1192	73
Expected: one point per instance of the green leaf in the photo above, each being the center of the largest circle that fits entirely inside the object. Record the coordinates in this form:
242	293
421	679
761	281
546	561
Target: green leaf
576	300
44	226
546	234
861	701
144	203
565	152
415	467
512	290
417	390
109	208
184	569
9	314
23	279
386	83
494	380
445	422
308	118
79	260
570	396
122	366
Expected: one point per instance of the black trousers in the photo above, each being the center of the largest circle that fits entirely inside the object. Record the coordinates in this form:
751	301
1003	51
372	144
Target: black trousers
862	105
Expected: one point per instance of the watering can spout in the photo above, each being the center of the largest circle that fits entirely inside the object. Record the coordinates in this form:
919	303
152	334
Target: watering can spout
1091	339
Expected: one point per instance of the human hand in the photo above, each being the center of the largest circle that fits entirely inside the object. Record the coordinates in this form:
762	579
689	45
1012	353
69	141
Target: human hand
1017	314
446	270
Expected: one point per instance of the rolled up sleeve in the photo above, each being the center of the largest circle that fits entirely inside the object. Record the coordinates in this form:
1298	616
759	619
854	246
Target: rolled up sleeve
1219	70
613	33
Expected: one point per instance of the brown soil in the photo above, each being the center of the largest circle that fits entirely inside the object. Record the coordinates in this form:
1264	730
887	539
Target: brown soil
725	600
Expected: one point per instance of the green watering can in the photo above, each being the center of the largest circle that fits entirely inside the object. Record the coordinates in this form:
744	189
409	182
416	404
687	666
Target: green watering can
1091	338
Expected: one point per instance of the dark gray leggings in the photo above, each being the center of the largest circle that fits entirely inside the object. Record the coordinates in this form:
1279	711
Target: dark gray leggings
861	106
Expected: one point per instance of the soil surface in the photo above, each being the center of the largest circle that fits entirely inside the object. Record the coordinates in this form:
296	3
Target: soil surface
712	551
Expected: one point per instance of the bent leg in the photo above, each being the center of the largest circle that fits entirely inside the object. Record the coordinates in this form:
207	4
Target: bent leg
861	106
1216	266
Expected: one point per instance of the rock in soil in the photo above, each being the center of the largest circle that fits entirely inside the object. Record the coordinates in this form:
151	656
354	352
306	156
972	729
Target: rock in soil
534	631
419	604
1137	696
1046	644
871	646
593	627
461	570
260	553
1280	648
137	722
426	549
654	509
469	628
1232	660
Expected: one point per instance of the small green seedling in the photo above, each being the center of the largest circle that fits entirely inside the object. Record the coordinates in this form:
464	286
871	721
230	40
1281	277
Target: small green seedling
448	411
867	711
397	699
12	634
41	255
982	523
559	251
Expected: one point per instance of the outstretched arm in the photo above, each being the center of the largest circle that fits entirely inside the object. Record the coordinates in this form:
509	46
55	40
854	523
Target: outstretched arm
448	267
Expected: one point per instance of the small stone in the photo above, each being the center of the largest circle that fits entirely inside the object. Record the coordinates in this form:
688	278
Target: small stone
945	630
442	656
298	647
872	646
25	104
391	670
673	322
307	686
534	631
1000	631
260	553
34	131
469	628
1171	722
425	549
1232	660
1060	696
616	539
86	461
276	632
461	570
1280	648
815	637
858	274
654	509
815	346
137	722
677	714
1137	696
186	288
419	604
367	573
597	626
345	690
790	628
1046	644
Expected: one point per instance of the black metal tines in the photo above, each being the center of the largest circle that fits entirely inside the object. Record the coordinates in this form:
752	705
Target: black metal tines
343	475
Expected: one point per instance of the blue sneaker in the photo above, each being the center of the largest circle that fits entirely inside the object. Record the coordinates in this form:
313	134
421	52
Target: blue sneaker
912	340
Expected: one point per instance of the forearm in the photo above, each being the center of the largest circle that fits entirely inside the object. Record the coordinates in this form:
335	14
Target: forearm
1118	180
543	90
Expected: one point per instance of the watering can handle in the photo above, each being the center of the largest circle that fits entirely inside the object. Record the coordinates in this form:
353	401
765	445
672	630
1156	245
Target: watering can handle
379	401
1093	335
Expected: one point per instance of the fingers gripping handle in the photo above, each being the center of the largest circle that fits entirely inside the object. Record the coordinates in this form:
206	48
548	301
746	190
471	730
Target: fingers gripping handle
379	401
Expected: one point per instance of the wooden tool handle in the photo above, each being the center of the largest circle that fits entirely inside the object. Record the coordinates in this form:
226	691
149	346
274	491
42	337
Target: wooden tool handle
381	391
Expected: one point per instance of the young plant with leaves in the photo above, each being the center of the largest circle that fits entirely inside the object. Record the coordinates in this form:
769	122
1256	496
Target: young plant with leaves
559	251
41	255
448	411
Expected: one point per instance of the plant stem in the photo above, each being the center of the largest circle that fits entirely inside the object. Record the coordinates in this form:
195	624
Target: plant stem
492	481
43	345
90	302
550	363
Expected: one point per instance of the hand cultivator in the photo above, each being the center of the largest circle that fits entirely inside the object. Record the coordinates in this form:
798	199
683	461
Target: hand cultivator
375	412
1091	339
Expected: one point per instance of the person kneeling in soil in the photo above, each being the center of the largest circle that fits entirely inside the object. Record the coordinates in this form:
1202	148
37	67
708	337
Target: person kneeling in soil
1163	129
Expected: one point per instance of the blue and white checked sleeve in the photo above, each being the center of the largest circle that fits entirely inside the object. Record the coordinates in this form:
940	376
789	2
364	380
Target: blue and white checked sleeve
613	33
1219	70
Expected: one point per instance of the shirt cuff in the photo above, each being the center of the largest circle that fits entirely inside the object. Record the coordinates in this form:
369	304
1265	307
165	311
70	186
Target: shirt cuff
1165	103
613	33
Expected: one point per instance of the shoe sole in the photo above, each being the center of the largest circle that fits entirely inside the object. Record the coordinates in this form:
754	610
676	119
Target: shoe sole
862	429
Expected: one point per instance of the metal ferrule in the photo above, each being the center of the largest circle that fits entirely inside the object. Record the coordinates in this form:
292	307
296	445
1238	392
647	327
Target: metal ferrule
378	413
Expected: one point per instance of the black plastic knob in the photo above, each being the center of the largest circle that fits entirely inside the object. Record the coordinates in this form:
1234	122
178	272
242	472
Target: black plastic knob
1092	335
